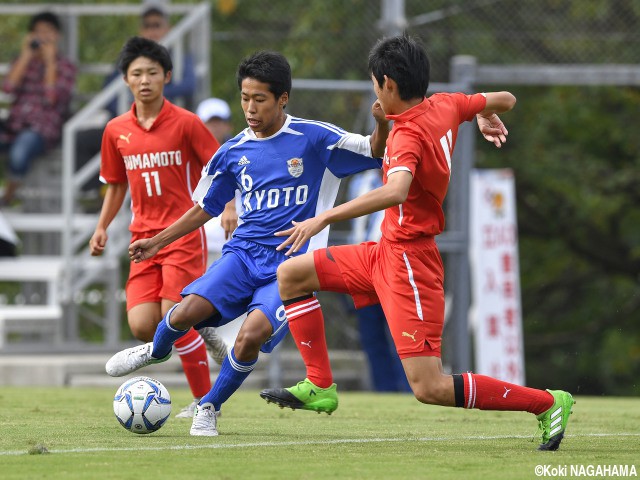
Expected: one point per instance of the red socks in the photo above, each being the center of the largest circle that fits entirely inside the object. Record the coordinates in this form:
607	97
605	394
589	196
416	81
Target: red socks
193	355
306	324
487	393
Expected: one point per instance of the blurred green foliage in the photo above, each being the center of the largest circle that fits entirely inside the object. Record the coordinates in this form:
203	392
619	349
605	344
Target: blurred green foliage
577	169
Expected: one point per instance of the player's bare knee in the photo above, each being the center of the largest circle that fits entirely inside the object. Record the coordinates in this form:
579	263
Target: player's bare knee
141	331
247	345
286	280
192	310
427	393
249	340
292	281
180	318
423	395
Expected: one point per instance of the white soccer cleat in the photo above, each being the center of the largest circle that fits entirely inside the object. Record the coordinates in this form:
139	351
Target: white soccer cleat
204	421
132	359
188	411
216	346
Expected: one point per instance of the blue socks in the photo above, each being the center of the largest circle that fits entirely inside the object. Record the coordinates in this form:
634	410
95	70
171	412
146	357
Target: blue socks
165	336
232	374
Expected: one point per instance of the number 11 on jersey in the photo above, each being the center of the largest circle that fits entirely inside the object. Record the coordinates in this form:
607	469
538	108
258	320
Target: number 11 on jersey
156	180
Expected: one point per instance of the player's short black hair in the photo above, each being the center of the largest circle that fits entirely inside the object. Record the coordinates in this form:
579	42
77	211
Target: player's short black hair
403	59
267	67
142	47
46	17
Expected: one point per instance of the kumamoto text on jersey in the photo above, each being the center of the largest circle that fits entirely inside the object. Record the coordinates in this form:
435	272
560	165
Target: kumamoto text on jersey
153	160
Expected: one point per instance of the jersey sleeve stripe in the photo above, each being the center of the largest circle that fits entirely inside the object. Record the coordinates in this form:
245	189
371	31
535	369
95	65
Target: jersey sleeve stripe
327	126
398	169
326	198
354	143
203	187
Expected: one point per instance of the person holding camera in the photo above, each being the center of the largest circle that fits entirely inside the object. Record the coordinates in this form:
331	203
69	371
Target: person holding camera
40	82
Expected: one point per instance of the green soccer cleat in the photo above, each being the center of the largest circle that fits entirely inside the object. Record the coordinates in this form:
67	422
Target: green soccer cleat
553	422
305	396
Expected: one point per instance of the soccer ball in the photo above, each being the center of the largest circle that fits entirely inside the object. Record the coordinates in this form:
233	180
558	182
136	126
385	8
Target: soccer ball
142	405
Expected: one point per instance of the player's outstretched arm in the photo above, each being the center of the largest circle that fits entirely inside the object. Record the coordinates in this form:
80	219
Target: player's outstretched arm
146	248
394	192
490	125
110	207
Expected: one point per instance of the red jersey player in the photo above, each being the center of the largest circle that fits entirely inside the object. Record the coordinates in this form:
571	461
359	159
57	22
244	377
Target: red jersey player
403	272
158	151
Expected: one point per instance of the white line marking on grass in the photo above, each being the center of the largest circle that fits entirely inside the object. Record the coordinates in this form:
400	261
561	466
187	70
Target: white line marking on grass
338	441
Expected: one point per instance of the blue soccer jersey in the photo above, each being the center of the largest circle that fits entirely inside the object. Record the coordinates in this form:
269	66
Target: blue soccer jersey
291	175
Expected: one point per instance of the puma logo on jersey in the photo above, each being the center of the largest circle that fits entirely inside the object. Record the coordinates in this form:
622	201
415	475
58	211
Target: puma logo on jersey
506	392
243	161
306	344
412	336
126	139
388	160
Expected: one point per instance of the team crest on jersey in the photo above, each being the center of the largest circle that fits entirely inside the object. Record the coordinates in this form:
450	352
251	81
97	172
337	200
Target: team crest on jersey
295	167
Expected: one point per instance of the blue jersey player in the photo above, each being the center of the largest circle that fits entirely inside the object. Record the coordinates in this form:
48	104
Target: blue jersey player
288	170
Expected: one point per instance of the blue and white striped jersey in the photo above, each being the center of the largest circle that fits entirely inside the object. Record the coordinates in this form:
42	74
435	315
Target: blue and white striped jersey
292	175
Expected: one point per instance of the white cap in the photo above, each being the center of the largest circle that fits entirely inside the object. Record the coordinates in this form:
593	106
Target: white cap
154	6
213	107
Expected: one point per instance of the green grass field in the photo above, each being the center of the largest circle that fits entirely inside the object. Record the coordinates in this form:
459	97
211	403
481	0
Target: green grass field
370	436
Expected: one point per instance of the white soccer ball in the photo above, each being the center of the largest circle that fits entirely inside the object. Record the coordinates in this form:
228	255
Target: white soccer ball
142	405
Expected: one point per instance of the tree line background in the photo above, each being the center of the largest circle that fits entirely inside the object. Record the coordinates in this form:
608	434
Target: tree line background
575	151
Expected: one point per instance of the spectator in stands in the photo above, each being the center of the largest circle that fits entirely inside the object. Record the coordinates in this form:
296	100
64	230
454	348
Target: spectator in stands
155	25
385	367
41	82
216	115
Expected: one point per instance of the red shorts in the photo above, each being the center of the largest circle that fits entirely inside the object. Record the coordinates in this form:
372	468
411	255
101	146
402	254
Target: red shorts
405	278
169	271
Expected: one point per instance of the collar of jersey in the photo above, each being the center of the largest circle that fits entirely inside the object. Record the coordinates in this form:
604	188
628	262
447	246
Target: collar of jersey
251	134
412	112
166	106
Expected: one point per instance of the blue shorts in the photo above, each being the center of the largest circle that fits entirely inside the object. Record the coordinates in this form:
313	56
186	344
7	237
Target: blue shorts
241	280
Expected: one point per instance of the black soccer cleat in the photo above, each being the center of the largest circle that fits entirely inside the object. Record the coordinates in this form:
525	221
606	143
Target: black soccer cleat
553	444
304	396
281	397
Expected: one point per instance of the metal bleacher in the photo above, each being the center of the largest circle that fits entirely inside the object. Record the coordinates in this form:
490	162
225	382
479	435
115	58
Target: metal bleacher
41	290
43	312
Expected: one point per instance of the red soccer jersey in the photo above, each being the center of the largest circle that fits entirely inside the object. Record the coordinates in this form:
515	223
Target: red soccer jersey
162	164
421	142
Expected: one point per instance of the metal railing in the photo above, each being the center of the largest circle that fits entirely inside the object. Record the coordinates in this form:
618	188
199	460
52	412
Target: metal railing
191	33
